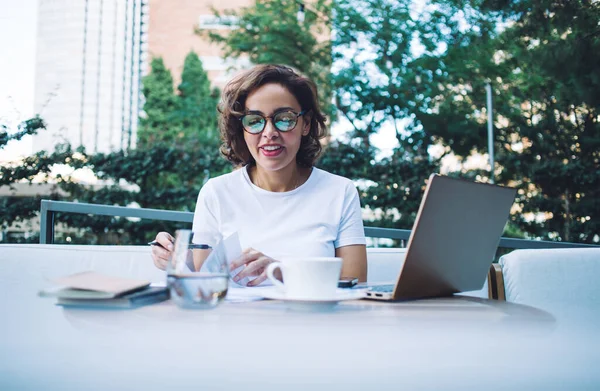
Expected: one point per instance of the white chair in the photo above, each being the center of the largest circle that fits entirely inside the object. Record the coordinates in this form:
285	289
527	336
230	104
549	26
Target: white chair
564	282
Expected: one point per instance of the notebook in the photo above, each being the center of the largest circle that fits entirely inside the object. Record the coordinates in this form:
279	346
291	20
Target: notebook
149	295
90	284
453	240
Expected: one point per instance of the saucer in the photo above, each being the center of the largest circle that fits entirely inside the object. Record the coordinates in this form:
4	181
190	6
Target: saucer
302	303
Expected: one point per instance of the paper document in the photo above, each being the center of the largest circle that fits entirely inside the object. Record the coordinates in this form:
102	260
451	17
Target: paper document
245	294
225	252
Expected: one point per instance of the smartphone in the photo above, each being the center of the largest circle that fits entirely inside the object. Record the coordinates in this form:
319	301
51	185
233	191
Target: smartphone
347	282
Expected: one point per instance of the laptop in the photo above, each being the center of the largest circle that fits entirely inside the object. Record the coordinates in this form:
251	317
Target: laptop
453	240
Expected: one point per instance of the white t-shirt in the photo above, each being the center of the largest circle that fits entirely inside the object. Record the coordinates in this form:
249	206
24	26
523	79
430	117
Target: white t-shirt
313	220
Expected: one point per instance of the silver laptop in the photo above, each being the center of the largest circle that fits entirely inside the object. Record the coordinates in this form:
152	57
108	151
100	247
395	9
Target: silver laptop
453	241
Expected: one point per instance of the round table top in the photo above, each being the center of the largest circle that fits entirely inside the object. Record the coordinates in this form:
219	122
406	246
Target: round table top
444	343
427	344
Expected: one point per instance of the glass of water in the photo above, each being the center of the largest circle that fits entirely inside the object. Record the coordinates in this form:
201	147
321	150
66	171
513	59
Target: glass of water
190	289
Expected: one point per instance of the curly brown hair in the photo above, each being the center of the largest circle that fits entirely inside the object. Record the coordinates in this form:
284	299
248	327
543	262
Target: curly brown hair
233	105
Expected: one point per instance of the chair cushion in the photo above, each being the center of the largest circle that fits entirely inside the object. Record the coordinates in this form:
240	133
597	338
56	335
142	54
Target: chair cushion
384	264
557	280
56	260
135	261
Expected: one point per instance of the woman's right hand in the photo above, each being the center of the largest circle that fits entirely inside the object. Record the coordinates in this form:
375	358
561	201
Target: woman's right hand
160	255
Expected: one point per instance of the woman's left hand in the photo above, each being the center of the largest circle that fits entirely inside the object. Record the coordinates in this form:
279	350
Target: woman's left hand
255	264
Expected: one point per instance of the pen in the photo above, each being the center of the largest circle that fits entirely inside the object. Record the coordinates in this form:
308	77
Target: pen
192	246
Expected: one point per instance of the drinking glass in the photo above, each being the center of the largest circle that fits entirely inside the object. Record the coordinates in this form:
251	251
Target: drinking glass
190	289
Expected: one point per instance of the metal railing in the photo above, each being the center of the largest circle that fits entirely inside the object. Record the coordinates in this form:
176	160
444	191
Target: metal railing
50	208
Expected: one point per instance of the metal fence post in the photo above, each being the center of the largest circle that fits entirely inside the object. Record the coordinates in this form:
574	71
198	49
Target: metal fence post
46	223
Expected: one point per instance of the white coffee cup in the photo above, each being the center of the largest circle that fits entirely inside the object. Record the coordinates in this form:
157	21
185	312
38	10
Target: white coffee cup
307	278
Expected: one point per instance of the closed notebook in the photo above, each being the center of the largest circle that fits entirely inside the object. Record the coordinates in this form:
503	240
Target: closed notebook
149	295
93	285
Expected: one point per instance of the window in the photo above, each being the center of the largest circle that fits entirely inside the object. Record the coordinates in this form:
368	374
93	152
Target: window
211	22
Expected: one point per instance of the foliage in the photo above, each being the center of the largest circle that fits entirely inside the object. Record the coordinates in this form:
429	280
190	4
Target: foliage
188	117
156	123
418	68
17	210
543	67
145	172
558	126
177	153
28	127
268	32
391	188
422	67
197	103
370	39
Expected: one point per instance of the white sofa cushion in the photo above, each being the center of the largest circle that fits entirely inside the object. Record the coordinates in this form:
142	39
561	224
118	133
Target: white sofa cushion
560	281
135	262
57	260
384	264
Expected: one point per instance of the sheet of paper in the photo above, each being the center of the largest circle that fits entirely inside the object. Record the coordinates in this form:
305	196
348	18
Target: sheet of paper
244	294
226	251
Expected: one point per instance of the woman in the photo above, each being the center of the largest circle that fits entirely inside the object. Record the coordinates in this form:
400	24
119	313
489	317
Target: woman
278	202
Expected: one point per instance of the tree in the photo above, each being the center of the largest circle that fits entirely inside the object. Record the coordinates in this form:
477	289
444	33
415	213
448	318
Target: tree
162	176
268	32
544	67
17	210
417	67
177	130
177	153
388	66
541	58
421	67
188	118
554	61
28	127
142	176
156	123
197	103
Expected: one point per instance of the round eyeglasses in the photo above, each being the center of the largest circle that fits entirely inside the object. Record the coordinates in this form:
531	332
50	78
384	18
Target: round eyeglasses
284	121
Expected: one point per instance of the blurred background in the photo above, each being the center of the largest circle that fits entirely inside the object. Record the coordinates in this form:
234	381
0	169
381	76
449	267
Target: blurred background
114	102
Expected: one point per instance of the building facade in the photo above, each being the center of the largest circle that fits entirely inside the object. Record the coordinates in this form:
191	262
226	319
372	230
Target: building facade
89	60
171	35
92	54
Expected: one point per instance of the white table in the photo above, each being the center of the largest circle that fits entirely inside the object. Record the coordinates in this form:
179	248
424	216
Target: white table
448	343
